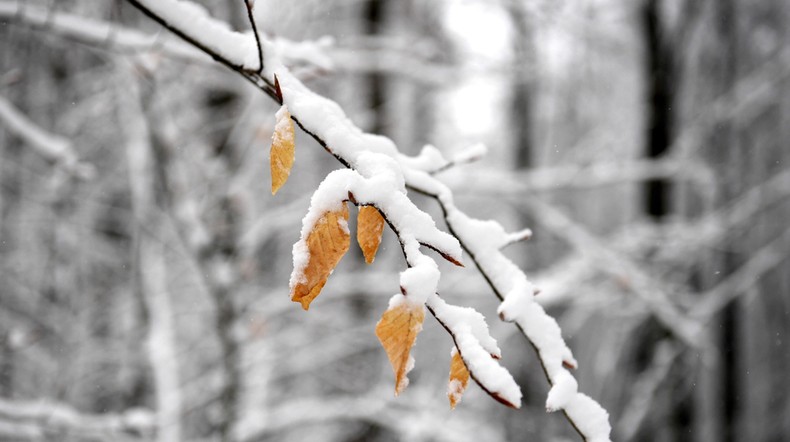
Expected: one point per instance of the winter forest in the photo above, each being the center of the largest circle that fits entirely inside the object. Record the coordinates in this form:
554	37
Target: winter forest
511	220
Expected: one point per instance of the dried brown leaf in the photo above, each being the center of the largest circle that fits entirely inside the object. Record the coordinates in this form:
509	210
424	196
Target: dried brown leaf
459	379
397	330
327	242
370	225
281	157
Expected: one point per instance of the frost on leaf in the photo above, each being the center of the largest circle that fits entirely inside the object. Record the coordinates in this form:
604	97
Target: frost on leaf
370	225
459	378
281	158
397	330
326	244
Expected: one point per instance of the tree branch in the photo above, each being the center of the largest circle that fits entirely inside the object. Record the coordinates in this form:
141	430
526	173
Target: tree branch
587	417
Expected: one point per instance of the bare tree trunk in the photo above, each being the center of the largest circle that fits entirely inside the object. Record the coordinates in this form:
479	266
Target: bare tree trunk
374	17
661	84
231	361
714	395
6	364
521	103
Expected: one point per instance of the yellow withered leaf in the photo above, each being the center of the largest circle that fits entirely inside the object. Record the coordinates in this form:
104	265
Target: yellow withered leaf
370	225
281	157
459	379
327	242
397	330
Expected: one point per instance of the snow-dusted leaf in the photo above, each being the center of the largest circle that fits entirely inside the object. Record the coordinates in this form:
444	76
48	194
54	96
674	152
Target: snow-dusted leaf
370	225
459	378
326	244
397	330
282	153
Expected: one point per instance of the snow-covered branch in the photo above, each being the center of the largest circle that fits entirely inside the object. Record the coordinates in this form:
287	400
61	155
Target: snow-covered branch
483	240
378	177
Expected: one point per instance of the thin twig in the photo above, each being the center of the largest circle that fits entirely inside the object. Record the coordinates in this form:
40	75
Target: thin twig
251	4
259	81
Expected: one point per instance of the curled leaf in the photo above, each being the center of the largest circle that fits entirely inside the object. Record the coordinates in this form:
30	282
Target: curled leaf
281	158
326	244
370	225
397	330
459	378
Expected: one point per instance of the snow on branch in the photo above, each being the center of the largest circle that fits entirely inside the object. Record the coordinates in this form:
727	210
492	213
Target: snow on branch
384	189
52	147
379	177
483	241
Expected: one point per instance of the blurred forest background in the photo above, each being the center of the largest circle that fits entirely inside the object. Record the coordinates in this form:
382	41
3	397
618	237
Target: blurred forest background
144	264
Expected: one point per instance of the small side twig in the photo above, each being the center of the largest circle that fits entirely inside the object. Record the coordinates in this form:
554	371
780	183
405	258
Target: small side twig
251	4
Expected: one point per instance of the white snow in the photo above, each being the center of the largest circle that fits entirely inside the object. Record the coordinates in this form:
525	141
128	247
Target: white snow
282	124
455	389
564	390
194	21
590	418
429	159
301	257
420	282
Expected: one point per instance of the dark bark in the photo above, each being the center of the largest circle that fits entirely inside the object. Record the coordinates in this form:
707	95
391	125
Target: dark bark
521	103
6	366
374	16
661	84
727	31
